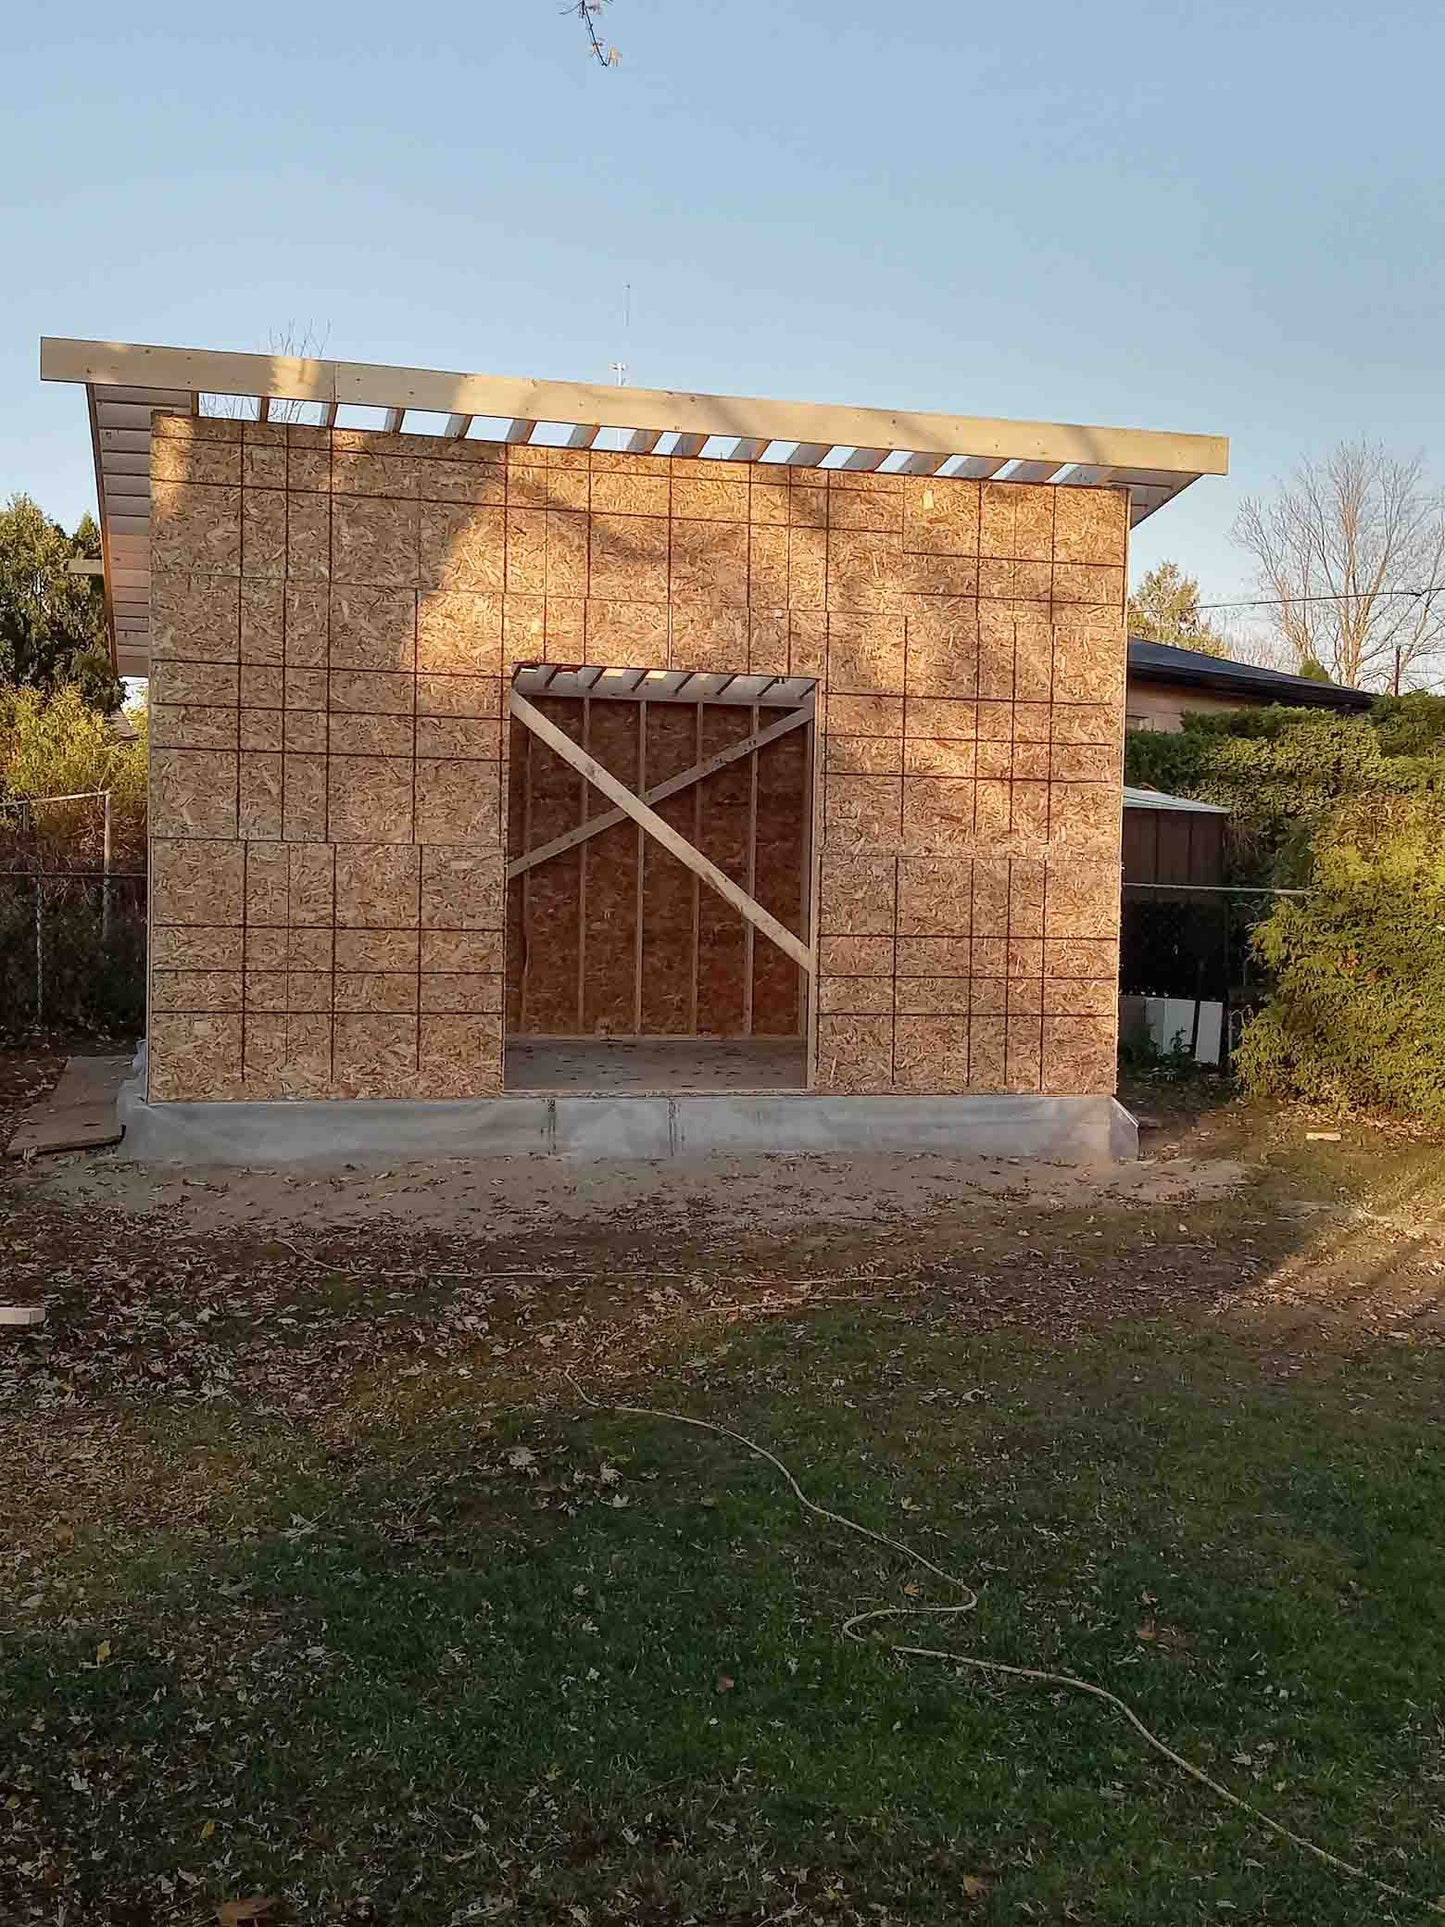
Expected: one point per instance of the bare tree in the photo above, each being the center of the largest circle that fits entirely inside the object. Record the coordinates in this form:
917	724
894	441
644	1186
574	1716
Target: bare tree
1265	648
294	341
587	12
1351	554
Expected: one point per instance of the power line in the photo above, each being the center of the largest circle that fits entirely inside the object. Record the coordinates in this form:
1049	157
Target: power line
1293	601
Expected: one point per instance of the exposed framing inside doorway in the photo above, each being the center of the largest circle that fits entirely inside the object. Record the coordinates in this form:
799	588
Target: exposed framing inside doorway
660	844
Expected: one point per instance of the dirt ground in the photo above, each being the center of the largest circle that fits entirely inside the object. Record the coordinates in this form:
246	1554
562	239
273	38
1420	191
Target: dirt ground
1231	1210
727	1197
503	1197
207	1332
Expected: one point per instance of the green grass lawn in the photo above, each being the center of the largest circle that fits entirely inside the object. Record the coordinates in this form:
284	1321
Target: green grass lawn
563	1666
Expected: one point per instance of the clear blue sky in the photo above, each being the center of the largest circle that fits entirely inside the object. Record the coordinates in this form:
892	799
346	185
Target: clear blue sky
1181	214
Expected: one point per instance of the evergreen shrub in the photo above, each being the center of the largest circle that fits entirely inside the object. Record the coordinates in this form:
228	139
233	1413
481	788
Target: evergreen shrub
1356	1019
1352	810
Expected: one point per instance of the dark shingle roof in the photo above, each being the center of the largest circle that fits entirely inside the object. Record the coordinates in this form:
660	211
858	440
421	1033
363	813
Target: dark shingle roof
1163	662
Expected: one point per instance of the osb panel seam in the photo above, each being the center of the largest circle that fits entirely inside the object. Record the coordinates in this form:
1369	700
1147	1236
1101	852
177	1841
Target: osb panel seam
969	636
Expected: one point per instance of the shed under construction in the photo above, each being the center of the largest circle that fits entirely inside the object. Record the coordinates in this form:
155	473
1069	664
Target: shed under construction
540	758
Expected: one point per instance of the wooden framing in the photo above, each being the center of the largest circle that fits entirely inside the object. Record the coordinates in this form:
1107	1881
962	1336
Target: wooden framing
661	831
695	1007
639	895
752	884
685	779
811	886
751	691
584	801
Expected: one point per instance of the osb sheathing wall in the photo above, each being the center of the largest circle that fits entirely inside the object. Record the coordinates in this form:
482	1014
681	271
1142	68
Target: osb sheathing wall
335	614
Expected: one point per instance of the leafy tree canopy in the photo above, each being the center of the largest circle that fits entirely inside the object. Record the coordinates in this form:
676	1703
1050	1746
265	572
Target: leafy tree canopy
1350	809
58	745
1165	608
1356	1019
1280	772
1411	725
52	623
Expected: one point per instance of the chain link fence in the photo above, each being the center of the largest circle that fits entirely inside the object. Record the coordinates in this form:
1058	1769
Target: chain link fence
1190	944
72	952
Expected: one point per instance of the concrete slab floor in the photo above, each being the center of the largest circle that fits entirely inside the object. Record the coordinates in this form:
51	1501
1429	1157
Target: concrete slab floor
670	1065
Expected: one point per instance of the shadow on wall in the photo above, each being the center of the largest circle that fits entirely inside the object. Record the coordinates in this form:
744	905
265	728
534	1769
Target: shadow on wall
332	617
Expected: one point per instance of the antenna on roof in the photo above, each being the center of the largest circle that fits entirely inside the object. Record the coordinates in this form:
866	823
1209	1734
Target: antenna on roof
587	11
619	368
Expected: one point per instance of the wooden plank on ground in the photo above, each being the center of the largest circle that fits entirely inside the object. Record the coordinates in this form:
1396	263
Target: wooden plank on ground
79	1114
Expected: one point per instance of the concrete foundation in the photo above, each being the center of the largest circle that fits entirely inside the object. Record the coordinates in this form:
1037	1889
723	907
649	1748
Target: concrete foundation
1067	1130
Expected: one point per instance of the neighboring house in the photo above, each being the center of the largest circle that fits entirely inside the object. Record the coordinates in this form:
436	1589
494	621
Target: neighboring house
1165	682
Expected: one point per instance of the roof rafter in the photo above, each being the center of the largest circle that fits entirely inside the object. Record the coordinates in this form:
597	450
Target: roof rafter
364	384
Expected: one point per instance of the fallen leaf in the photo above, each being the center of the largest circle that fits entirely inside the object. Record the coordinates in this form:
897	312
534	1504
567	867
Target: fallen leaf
208	1829
232	1912
102	1652
974	1887
725	1683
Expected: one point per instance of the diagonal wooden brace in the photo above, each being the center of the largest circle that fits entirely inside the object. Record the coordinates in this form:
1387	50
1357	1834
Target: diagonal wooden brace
794	719
661	831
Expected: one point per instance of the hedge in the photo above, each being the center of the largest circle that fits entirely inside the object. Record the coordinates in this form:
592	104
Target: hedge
1351	809
1356	1019
1282	772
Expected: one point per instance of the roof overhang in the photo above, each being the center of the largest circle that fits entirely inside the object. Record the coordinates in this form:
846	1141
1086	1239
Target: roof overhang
125	382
